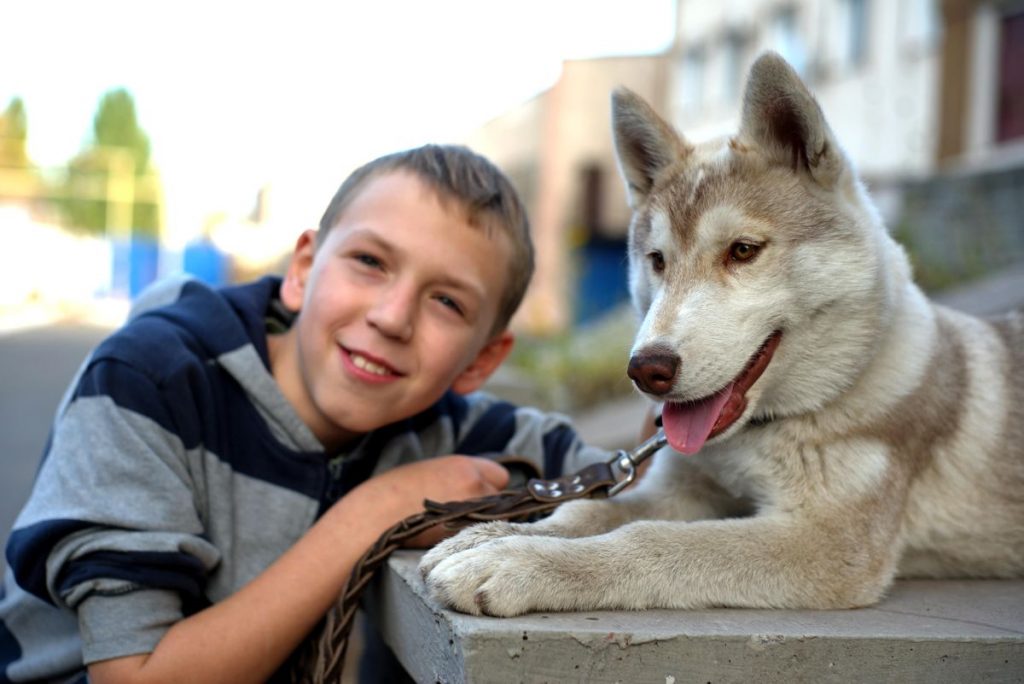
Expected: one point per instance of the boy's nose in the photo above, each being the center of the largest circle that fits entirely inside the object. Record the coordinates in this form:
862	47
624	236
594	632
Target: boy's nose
392	314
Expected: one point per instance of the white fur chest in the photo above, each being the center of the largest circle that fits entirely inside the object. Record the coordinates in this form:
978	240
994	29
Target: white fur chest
746	466
771	467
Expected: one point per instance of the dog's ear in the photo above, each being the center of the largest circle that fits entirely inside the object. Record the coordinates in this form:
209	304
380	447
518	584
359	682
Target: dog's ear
781	116
644	143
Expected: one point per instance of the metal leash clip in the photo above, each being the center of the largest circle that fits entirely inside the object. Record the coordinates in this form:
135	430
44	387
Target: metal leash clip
602	479
625	463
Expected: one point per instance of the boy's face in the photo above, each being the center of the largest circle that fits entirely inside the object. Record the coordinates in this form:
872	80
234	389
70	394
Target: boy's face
396	306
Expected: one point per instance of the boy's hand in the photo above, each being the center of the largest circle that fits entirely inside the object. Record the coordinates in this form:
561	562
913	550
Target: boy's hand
400	492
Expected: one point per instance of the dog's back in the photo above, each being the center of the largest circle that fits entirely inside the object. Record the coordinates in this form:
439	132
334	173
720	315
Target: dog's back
965	510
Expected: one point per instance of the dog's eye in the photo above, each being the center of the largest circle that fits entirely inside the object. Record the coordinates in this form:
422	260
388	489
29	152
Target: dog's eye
743	251
657	261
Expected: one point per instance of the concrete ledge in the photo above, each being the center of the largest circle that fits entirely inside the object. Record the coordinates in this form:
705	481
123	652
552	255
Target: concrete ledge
926	631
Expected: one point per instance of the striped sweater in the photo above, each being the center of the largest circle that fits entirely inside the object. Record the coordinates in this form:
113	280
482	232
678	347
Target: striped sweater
176	471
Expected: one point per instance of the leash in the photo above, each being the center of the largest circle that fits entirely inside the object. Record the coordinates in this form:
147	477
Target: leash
322	656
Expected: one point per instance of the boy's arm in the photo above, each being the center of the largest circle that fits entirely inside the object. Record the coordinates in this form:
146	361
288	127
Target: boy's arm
249	635
502	430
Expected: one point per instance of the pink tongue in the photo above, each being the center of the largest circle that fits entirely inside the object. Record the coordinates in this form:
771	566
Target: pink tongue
687	426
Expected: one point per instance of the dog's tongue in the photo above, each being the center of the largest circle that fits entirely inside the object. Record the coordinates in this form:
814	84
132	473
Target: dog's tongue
687	426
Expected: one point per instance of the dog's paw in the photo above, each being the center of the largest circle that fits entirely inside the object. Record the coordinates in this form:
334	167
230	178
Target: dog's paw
505	577
469	538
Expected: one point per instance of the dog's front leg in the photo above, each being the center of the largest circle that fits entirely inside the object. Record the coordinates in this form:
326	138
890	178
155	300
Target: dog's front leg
672	490
777	562
571	519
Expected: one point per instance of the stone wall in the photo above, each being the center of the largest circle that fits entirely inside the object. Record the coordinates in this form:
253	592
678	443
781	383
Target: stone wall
959	227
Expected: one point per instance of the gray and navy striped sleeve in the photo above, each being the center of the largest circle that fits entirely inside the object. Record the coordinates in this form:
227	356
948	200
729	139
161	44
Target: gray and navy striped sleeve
481	424
113	512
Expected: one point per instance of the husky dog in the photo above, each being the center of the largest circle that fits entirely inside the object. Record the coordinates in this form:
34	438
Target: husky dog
829	427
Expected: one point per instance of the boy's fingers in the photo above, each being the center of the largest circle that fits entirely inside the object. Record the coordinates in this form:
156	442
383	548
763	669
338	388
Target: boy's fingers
493	473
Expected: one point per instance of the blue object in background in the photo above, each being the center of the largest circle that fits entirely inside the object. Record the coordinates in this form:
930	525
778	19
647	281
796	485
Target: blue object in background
136	264
145	265
602	283
203	260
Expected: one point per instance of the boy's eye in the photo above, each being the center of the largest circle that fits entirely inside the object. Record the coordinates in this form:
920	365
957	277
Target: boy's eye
450	303
368	260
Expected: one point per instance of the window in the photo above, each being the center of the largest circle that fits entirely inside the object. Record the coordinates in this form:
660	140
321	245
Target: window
592	182
787	40
692	80
853	22
733	53
920	24
1010	103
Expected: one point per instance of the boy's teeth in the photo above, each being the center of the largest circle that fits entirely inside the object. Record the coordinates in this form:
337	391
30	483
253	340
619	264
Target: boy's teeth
365	364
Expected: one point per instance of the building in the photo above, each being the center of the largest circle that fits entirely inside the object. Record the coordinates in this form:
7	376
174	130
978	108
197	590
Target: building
557	148
873	66
926	96
982	96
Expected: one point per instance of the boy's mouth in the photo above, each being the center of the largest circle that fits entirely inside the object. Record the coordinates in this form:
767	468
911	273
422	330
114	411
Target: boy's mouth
363	363
368	366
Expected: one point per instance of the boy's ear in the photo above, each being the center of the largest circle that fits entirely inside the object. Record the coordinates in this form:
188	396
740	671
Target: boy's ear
293	287
485	363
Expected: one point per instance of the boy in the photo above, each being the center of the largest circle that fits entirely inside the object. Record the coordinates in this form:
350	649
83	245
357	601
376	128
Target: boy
225	458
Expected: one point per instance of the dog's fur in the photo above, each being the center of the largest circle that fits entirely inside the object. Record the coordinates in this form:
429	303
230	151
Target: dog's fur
885	437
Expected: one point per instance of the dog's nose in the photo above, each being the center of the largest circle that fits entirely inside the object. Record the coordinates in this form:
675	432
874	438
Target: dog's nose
654	370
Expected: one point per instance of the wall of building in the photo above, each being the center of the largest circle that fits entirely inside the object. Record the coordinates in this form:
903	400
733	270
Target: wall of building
960	226
875	76
908	87
548	146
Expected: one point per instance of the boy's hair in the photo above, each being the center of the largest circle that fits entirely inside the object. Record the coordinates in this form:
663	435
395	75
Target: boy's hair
457	174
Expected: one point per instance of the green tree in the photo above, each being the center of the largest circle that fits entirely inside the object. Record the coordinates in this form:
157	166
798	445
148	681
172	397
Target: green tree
116	125
20	180
110	185
13	135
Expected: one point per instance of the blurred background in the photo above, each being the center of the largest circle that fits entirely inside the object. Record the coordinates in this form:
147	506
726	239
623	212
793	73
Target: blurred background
143	139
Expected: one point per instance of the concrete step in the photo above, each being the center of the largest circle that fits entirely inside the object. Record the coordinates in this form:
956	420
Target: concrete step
925	631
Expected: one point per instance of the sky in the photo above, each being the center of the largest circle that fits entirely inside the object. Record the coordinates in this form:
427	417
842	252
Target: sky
236	95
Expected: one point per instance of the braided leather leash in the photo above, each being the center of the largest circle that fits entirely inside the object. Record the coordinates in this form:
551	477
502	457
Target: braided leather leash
322	656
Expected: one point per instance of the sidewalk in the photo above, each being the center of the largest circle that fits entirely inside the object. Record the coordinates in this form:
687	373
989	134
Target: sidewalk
995	294
103	313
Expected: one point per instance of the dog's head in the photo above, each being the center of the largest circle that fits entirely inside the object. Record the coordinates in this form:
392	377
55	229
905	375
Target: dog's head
755	261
